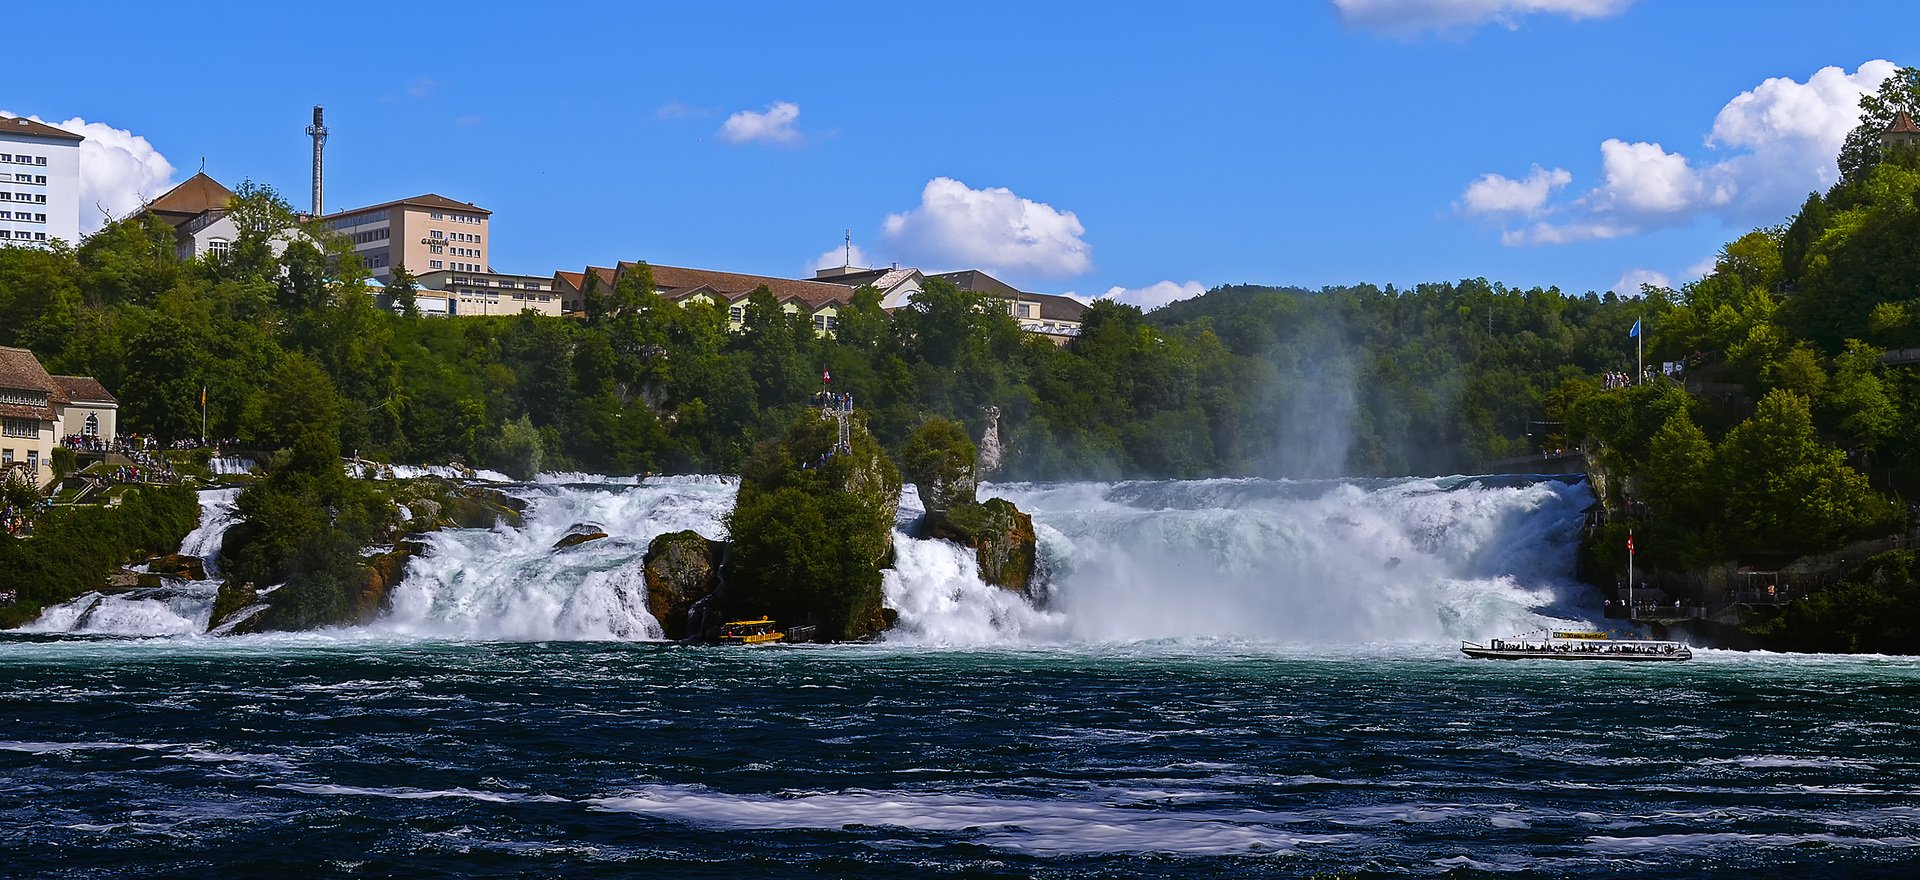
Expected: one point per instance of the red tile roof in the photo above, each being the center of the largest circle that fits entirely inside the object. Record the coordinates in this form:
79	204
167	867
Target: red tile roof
675	281
1903	124
21	125
21	371
428	200
83	389
197	195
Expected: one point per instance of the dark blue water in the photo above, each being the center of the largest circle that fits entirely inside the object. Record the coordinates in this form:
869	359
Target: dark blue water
313	758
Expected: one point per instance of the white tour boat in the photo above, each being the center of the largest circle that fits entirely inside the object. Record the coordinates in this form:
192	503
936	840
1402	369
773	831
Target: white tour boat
1563	645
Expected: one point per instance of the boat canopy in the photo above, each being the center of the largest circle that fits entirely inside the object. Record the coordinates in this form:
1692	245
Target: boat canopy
1576	634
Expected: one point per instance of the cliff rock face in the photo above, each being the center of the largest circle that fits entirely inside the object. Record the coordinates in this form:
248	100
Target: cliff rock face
1001	536
991	448
681	568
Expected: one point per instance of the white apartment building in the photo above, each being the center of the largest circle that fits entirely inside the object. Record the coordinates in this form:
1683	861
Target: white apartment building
39	183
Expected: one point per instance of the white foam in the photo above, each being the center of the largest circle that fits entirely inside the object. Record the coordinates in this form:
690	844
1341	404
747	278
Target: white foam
412	794
1049	827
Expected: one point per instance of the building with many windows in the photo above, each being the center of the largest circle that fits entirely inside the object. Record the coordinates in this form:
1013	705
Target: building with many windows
446	293
38	410
39	183
425	233
1049	314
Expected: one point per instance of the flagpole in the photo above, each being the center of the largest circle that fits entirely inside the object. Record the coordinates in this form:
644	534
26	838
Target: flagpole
1640	349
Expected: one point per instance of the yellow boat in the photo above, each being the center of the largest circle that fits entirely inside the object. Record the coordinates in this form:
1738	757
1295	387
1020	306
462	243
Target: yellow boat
750	632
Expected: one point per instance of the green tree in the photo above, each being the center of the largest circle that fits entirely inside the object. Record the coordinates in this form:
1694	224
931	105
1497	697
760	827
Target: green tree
1899	93
1788	493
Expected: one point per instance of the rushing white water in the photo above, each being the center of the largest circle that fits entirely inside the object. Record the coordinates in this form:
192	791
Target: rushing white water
508	583
1416	560
177	608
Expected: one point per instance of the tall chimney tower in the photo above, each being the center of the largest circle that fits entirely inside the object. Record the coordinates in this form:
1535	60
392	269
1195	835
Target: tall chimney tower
318	131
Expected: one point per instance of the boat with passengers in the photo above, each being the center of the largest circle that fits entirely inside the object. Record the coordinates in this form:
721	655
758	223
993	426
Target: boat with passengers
750	632
1577	645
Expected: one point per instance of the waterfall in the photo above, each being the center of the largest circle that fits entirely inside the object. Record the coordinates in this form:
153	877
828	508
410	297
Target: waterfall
506	583
177	608
1301	562
1326	561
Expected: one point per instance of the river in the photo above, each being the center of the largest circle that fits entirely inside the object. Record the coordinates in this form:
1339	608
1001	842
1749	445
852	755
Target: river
1226	678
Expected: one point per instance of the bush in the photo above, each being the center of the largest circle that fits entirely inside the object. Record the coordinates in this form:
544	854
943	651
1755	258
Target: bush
73	550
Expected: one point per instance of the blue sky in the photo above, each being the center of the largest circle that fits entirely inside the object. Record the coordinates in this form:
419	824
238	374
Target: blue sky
1066	147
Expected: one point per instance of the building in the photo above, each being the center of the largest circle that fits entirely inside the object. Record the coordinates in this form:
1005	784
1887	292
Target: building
1901	135
38	410
820	302
424	233
197	211
896	286
446	293
39	183
1057	317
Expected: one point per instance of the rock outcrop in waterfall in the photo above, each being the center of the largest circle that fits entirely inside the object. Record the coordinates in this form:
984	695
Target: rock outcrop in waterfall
942	463
812	528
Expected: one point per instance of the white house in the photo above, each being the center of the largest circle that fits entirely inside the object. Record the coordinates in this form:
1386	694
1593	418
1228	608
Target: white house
39	183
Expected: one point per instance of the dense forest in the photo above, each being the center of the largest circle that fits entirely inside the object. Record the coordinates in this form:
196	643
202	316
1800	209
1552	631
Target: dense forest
1245	381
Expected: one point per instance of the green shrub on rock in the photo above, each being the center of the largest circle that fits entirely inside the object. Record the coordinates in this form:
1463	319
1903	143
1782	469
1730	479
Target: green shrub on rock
812	528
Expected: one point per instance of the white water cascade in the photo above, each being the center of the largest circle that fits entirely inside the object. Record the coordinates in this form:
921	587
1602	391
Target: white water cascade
177	608
512	584
1316	562
1319	562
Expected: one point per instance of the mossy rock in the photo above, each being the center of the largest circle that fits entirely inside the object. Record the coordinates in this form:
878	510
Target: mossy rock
1002	538
681	569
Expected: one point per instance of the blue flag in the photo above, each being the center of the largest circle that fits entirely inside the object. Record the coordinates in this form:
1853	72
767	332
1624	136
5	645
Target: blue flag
1635	332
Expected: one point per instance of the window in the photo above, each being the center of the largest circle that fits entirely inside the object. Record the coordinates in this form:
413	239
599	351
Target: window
6	457
435	234
435	249
737	314
436	216
433	264
219	247
92	427
39	160
19	428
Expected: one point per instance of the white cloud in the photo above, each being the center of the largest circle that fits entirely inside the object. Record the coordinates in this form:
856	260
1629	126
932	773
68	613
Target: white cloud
837	257
1407	17
1155	295
1780	139
1629	284
119	170
991	229
1498	194
774	125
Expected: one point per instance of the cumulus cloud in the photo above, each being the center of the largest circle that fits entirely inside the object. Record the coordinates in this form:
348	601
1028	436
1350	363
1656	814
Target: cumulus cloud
837	257
1772	145
775	125
1629	284
991	229
1498	194
1408	17
1155	295
119	170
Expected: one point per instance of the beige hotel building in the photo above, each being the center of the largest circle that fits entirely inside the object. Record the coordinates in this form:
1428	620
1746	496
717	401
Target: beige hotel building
427	233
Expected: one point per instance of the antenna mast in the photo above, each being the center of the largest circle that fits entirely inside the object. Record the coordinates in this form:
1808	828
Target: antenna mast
318	131
848	263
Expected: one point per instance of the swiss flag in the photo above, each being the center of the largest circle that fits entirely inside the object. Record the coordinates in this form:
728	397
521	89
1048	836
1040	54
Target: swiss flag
826	376
1629	542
